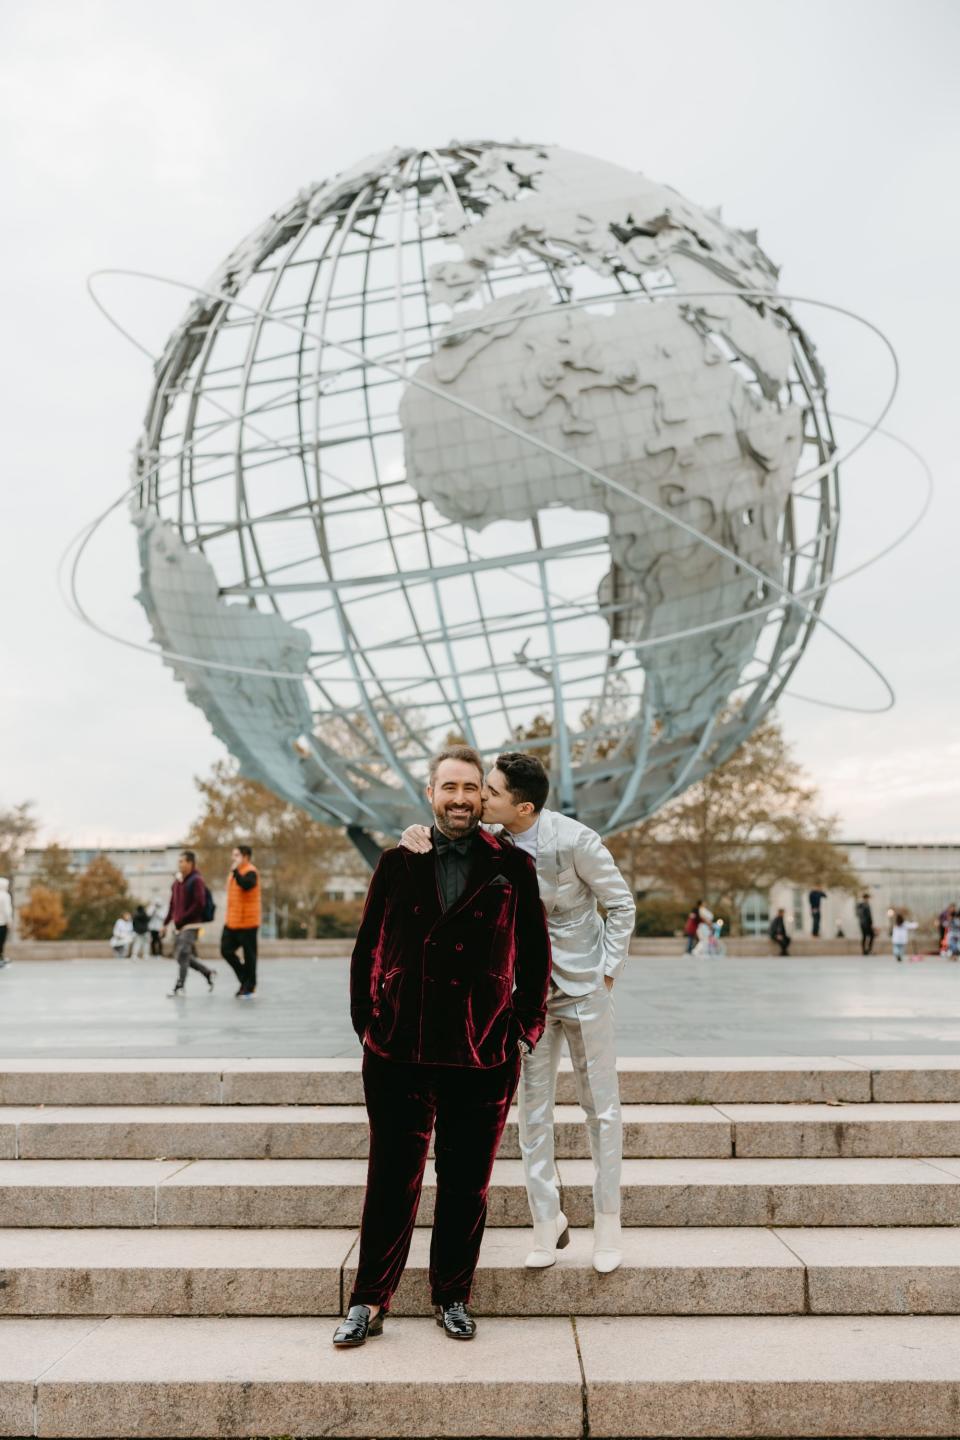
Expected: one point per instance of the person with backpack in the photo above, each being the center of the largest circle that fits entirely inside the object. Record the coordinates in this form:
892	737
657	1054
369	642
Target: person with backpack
191	906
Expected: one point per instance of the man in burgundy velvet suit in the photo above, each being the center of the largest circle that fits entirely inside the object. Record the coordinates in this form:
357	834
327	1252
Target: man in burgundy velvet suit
448	988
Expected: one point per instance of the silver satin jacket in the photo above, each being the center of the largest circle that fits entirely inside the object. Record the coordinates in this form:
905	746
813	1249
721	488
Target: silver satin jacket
576	871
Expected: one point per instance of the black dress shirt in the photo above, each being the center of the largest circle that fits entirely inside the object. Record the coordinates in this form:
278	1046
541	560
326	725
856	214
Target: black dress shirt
453	861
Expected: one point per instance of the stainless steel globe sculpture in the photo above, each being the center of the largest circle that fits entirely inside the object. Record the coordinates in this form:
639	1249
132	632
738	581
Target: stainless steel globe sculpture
499	442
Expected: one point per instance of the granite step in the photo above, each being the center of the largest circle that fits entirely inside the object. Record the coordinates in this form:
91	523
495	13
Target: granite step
637	1376
319	1132
643	1081
215	1193
173	1271
340	1132
819	1131
665	1271
709	1271
329	1193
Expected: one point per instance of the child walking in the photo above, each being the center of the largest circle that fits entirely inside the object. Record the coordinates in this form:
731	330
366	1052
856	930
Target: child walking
900	935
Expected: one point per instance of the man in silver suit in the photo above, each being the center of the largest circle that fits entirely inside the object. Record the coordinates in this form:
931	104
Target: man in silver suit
577	874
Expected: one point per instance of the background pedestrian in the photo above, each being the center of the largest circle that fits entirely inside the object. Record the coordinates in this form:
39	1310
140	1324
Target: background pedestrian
155	914
816	897
690	927
6	917
141	934
778	932
900	935
242	927
122	937
865	919
190	905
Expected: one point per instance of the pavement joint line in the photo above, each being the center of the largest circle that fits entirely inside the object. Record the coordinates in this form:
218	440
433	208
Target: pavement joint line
775	1232
584	1394
98	1323
156	1190
941	1169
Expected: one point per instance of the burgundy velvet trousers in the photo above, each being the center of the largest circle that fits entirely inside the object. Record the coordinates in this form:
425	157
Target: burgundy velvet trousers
469	1109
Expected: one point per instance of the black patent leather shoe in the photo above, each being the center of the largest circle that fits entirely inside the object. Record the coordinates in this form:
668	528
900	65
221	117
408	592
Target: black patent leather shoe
357	1327
456	1321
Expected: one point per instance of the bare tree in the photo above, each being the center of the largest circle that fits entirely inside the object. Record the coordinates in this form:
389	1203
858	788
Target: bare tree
750	823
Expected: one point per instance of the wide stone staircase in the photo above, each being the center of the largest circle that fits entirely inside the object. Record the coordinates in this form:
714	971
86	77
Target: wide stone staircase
176	1238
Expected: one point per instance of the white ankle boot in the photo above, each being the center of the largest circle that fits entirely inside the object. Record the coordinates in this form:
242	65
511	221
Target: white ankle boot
607	1253
549	1236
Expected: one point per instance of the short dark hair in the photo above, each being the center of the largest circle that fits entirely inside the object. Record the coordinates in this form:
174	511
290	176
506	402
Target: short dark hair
527	780
466	753
245	850
189	855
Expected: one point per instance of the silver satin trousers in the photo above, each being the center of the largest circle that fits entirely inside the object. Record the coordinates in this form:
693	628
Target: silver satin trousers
587	1025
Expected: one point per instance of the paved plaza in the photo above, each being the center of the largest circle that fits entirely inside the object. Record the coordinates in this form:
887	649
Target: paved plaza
666	1006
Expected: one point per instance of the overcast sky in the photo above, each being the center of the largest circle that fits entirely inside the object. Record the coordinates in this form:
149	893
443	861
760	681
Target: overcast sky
155	137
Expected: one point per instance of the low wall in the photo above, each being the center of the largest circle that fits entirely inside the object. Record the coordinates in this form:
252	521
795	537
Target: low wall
737	946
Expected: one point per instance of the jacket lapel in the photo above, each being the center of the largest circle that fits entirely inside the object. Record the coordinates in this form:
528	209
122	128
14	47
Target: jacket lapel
486	863
422	870
548	861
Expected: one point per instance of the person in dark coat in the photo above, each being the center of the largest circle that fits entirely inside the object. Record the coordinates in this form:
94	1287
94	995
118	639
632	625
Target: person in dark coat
865	918
816	898
448	987
778	932
141	934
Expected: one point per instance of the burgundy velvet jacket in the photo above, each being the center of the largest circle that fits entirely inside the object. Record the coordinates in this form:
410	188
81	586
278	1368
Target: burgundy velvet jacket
435	988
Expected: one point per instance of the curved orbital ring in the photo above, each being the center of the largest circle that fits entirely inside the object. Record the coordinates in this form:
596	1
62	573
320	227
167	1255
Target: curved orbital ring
785	598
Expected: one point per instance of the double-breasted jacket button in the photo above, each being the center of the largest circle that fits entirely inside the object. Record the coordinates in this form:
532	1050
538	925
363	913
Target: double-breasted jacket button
459	945
478	914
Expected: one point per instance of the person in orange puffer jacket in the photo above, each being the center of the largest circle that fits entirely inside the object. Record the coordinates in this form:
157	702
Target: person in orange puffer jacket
243	920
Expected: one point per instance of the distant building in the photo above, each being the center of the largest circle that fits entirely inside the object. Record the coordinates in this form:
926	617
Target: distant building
919	879
147	869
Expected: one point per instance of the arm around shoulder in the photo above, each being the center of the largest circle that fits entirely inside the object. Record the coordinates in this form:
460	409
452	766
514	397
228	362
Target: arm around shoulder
366	947
532	970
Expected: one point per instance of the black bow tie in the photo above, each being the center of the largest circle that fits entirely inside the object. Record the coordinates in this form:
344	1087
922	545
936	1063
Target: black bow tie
459	847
